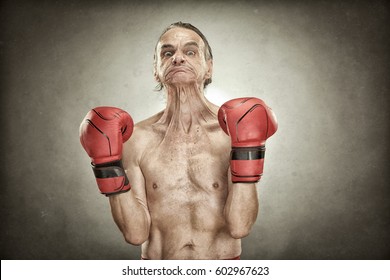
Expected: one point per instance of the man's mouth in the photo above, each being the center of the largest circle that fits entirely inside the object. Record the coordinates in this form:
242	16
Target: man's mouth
175	70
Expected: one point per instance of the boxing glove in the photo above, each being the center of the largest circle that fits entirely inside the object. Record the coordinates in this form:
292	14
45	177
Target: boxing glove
102	134
249	122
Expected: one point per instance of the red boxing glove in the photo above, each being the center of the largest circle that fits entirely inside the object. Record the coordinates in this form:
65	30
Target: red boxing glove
102	134
249	122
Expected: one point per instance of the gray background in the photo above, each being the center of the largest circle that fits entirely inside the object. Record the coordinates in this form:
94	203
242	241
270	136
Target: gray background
321	65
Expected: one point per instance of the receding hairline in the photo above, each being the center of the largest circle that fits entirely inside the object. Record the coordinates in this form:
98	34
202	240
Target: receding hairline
190	41
202	38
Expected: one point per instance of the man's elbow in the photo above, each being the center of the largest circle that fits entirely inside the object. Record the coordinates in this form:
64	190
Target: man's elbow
238	232
135	239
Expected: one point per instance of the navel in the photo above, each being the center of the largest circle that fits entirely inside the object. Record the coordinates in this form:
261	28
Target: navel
189	245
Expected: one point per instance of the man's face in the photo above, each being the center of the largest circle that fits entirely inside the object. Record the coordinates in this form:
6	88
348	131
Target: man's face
180	58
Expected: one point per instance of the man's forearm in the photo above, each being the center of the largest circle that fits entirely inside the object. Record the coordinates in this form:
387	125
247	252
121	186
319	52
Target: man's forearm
241	209
131	216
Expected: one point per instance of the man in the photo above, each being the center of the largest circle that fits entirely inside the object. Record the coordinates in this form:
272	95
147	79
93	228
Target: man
177	188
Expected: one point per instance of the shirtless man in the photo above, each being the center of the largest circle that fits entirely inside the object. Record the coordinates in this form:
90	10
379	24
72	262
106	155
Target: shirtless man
184	203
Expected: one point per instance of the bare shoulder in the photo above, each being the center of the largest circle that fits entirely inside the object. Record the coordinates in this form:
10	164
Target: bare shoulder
143	134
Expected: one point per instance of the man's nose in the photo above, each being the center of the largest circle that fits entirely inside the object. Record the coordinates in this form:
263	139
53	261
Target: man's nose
178	59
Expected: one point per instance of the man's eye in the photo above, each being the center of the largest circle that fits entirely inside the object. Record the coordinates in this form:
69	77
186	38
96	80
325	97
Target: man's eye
168	54
190	53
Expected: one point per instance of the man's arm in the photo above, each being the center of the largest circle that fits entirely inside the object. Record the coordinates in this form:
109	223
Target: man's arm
241	208
130	210
249	122
118	175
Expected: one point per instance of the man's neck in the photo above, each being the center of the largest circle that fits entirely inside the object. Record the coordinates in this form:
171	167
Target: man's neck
186	109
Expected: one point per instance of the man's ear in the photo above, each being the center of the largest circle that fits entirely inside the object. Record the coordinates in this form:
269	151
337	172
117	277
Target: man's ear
155	69
156	77
209	72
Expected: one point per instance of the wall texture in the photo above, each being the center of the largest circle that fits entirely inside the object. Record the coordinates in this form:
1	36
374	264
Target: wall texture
322	66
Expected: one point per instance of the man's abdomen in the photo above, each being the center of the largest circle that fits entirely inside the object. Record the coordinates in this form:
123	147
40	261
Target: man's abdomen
188	223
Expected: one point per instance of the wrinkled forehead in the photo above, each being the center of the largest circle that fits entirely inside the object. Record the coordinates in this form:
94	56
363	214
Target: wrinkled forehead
178	35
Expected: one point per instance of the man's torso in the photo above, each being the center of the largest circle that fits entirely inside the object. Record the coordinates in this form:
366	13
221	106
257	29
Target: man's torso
187	185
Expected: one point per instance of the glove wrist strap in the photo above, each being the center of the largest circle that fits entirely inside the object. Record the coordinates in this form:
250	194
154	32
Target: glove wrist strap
111	177
247	153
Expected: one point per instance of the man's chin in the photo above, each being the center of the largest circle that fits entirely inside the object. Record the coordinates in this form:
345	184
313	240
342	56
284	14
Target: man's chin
183	83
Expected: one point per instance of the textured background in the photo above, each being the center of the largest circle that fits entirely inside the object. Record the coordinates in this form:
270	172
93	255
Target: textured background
322	66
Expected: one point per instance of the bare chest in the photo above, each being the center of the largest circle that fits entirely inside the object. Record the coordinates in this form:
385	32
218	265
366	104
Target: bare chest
199	159
186	181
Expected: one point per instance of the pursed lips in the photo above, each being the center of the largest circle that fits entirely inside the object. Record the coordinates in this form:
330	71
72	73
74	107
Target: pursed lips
176	69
